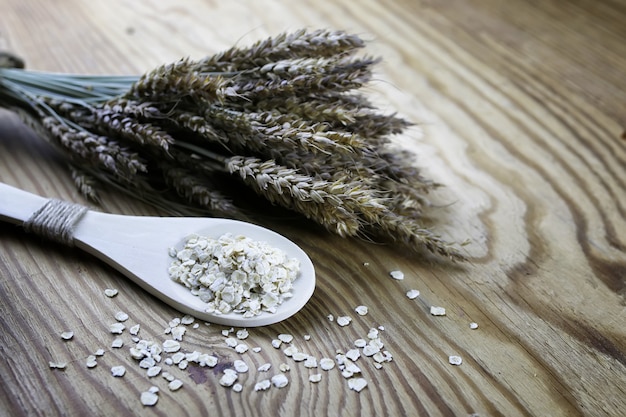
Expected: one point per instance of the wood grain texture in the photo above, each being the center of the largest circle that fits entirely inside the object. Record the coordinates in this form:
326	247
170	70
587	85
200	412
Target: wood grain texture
522	108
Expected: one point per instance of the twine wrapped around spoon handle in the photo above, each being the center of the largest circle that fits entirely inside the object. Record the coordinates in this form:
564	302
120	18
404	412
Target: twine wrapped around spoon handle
55	220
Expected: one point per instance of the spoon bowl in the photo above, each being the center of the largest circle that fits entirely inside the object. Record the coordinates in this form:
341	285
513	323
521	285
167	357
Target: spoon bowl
138	247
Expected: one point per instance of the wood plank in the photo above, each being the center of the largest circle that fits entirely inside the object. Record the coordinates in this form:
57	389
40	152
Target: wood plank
520	109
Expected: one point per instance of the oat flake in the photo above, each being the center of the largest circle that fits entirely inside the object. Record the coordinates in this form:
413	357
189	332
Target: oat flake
149	398
361	310
110	292
437	311
455	360
357	384
412	294
118	371
262	385
399	275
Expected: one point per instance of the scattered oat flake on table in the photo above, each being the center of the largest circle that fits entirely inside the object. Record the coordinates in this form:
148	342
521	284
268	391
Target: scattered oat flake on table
91	361
175	384
256	349
99	352
357	384
280	380
187	319
240	366
327	364
171	346
455	360
118	371
231	342
290	350
67	335
307	337
229	378
241	348
121	316
330	317
437	311
473	326
242	334
360	343
110	292
57	365
315	378
149	398
361	310
117	343
412	294
344	320
399	275
285	338
237	387
310	362
117	328
353	354
134	330
283	367
262	385
265	367
153	371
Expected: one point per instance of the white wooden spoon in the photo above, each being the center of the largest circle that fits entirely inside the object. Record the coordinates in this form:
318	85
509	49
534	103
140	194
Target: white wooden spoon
138	247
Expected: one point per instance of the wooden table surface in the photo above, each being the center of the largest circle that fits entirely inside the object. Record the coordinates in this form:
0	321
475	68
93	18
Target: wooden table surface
522	106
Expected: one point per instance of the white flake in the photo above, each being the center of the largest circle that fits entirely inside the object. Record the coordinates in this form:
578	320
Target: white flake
344	320
57	365
134	330
241	348
262	385
455	360
117	328
91	361
149	398
171	346
265	367
240	366
399	275
67	335
437	311
285	338
118	371
412	294
175	385
361	310
121	316
310	362
357	384
315	378
229	378
153	371
280	380
473	326
327	364
117	343
110	292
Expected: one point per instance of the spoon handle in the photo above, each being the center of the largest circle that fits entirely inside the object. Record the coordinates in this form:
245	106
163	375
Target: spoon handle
17	206
50	218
